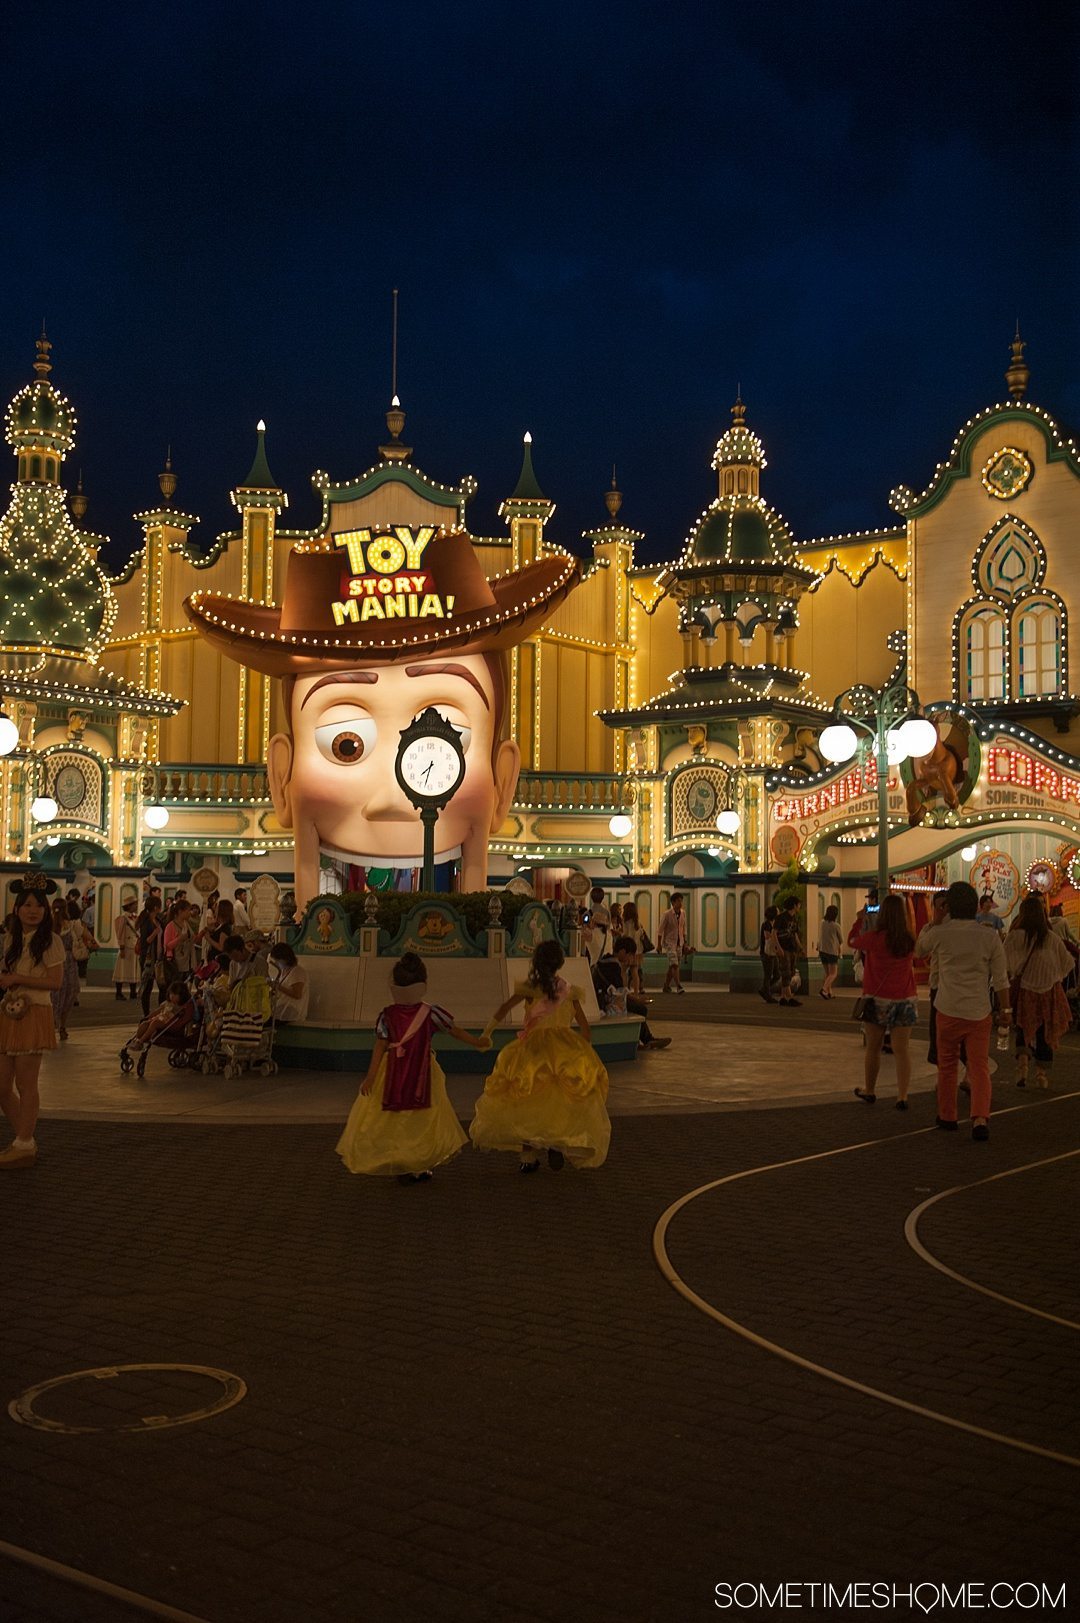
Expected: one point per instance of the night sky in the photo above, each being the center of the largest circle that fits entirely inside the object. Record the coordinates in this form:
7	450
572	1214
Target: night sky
602	219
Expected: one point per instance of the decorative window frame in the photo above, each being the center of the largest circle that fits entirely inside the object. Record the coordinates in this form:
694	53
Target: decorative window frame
1038	597
962	619
1007	521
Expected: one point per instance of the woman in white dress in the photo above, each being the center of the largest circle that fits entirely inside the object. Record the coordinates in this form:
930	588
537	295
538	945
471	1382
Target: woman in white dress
31	969
126	968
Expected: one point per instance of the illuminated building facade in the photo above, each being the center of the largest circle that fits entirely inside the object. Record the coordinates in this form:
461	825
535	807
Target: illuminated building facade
673	694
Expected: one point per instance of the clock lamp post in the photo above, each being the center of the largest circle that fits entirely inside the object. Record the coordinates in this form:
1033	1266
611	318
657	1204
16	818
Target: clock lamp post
429	768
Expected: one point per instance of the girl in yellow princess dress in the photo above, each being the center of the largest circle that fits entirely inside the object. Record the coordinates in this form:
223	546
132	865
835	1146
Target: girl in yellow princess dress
403	1124
548	1088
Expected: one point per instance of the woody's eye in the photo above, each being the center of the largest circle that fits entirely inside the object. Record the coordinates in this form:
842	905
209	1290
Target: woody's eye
346	741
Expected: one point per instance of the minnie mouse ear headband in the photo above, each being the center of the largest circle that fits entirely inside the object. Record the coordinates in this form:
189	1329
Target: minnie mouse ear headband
35	882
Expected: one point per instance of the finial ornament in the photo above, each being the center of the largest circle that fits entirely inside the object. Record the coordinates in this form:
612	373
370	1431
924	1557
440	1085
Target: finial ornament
167	480
738	411
1018	371
79	502
394	451
43	365
613	497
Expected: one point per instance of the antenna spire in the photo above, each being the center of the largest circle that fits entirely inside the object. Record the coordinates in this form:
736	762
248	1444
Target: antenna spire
393	352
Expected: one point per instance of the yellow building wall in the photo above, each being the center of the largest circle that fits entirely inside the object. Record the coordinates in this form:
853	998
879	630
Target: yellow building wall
843	629
944	541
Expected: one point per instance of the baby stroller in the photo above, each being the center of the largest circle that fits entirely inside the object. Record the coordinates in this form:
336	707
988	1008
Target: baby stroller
179	1036
241	1037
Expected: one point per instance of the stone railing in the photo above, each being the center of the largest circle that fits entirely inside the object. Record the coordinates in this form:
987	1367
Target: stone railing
564	791
214	785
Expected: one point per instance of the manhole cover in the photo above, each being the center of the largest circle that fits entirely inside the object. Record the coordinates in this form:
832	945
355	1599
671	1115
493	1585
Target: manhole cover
128	1397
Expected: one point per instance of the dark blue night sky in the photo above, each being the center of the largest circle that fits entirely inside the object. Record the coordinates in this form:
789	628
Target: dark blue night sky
601	219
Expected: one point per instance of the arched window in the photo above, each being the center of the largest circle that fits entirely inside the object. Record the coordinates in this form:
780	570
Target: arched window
729	482
984	655
744	480
1037	639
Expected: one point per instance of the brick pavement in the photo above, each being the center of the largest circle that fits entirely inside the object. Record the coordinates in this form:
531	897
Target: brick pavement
479	1399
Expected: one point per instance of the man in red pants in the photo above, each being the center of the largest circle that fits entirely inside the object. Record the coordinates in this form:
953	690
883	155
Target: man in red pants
969	960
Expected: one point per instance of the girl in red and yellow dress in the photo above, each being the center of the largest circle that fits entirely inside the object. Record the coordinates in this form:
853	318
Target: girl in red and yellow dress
403	1124
548	1088
31	968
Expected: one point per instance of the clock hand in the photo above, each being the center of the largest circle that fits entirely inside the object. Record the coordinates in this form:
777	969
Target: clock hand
426	773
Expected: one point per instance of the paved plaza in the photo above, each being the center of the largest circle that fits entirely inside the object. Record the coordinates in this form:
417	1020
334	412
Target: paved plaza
497	1398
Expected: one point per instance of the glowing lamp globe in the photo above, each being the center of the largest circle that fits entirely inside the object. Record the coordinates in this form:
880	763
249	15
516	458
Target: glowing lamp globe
52	839
620	825
44	809
919	735
728	821
155	816
969	852
839	742
896	746
9	734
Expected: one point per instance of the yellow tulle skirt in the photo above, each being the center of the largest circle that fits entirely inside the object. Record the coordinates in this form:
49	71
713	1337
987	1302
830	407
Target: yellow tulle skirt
387	1143
548	1090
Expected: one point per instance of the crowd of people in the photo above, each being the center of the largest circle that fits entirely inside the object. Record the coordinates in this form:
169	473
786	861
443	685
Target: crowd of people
45	951
547	1095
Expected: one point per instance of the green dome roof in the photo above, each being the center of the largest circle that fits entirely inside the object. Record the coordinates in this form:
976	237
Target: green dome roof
53	593
39	415
739	530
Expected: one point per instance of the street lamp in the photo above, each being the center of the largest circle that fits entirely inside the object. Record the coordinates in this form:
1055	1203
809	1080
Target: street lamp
883	724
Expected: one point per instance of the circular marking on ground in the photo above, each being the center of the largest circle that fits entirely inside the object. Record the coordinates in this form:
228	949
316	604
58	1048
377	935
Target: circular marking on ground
134	1396
667	1268
911	1235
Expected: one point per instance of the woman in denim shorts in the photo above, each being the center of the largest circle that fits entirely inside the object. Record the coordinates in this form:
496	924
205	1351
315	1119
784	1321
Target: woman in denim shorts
887	943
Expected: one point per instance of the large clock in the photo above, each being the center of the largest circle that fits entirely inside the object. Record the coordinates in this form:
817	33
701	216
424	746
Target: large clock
431	762
70	787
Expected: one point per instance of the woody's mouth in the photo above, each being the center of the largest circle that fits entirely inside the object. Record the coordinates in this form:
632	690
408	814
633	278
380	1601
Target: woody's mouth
387	859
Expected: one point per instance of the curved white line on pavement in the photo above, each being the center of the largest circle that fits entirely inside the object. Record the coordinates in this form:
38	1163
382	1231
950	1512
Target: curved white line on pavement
674	1279
98	1586
912	1237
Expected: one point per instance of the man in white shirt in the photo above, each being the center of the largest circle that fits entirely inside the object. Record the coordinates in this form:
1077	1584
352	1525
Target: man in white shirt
968	959
240	912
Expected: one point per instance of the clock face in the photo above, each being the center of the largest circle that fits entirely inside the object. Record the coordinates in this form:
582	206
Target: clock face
1007	473
69	787
431	767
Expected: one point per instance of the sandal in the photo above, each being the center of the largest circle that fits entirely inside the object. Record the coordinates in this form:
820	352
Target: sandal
867	1098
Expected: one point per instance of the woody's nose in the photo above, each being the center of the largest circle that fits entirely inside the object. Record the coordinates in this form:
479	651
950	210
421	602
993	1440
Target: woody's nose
385	801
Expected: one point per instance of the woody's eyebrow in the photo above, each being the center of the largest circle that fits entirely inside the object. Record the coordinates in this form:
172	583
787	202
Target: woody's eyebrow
447	670
343	678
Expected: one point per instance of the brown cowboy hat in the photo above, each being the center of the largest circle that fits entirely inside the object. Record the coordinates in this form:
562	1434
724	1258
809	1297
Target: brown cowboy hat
303	637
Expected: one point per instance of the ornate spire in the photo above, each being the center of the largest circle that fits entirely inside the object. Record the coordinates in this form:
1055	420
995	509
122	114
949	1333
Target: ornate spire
1018	371
527	489
43	365
79	502
738	410
613	497
259	476
166	478
394	451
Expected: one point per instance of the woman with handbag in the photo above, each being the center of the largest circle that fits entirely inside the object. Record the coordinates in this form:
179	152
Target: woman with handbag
31	969
887	1005
1039	963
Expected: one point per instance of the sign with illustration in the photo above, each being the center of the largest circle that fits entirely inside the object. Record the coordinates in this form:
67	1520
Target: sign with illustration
534	924
995	874
264	904
326	929
374	627
434	930
695	795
